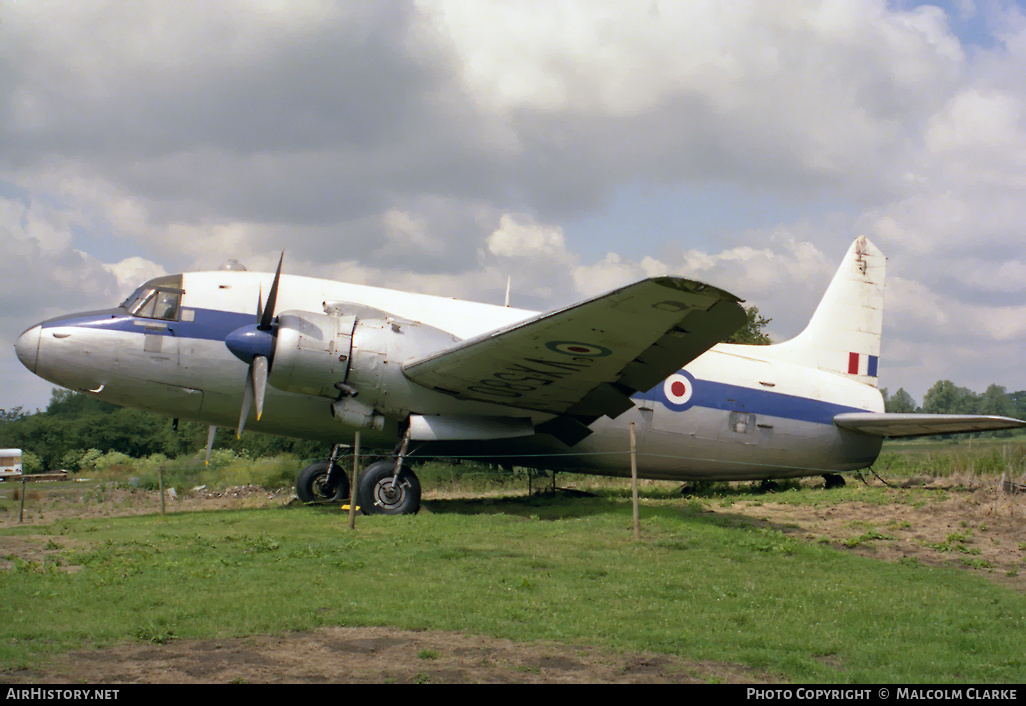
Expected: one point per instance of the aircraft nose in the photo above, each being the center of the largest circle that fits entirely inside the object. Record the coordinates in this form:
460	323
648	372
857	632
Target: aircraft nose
27	348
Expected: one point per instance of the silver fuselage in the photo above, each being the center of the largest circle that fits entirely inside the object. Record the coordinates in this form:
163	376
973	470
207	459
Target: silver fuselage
734	413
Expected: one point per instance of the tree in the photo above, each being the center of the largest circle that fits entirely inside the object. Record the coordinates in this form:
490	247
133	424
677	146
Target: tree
947	398
901	402
73	423
995	401
73	404
1019	402
752	332
12	415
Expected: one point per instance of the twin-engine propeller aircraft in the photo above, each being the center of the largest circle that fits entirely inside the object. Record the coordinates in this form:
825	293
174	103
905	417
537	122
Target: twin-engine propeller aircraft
426	376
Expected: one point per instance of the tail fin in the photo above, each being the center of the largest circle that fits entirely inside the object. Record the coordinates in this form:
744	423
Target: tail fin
844	334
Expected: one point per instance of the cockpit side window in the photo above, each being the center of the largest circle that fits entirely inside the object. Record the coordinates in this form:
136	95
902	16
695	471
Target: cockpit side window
160	298
144	305
136	298
155	304
165	305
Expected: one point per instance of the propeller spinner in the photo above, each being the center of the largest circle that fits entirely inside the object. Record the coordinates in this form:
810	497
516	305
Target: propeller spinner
254	344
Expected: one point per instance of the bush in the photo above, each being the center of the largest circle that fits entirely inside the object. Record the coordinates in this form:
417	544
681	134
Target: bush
72	460
96	460
89	458
222	457
30	463
151	463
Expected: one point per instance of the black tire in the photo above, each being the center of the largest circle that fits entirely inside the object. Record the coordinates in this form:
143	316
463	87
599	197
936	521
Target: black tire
311	486
377	496
833	480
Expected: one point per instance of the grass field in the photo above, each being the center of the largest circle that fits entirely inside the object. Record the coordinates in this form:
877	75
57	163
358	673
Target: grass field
703	585
958	456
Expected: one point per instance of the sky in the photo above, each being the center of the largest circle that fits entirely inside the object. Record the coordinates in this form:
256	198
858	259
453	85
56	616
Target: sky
443	147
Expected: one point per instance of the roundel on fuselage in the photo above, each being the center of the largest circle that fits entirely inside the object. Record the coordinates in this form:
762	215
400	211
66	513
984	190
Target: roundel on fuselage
678	390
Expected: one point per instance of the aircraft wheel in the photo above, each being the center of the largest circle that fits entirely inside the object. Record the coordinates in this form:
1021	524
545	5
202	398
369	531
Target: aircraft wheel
833	480
377	495
312	486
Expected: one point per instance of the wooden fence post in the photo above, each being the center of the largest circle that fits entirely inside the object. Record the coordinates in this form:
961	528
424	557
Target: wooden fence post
634	485
356	480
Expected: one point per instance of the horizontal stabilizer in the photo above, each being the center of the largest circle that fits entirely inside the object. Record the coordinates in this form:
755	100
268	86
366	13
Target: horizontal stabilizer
899	425
588	359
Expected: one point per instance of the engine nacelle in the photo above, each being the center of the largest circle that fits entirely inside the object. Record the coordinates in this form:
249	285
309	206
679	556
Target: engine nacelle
312	352
355	361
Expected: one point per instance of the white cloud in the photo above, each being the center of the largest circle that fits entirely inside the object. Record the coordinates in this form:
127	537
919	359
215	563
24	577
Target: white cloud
609	273
444	146
516	238
133	271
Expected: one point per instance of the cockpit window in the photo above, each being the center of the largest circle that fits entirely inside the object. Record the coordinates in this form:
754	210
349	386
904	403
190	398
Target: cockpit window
155	304
159	298
159	305
136	298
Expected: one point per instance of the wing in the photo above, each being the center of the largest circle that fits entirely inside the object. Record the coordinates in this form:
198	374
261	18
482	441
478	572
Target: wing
898	425
586	360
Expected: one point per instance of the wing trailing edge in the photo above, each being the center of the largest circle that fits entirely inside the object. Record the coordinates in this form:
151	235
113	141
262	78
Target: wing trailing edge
905	425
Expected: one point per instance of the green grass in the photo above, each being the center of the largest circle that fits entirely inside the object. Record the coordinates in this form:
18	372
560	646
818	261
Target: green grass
966	457
225	470
699	585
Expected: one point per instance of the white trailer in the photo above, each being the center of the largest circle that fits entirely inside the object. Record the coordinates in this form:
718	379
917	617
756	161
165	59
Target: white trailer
10	464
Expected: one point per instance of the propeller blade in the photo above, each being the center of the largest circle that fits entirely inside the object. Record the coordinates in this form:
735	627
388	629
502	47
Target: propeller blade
267	315
210	442
257	349
247	401
258	371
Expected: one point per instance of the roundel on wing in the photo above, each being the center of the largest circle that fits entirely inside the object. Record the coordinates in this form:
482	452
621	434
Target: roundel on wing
577	348
678	390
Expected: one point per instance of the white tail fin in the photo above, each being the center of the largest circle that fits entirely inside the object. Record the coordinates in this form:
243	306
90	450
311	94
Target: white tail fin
844	334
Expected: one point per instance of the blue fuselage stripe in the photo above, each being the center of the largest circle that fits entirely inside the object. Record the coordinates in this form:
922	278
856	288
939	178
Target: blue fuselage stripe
735	398
207	324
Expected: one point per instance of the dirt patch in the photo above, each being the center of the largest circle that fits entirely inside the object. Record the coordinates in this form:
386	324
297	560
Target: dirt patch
36	549
969	525
48	502
375	656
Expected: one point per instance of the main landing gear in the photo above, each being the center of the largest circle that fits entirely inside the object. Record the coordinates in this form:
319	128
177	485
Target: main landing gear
381	491
386	487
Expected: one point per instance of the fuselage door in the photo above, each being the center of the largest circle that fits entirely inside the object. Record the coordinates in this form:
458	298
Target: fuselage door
155	310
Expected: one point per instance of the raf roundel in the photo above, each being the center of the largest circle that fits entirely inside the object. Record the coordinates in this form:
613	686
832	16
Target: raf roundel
576	348
678	389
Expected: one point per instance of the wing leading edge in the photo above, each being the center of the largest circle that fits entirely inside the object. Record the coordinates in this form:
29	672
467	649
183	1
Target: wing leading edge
585	361
904	425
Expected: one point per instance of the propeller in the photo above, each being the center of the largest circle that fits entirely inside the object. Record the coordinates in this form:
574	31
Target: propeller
211	432
254	344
